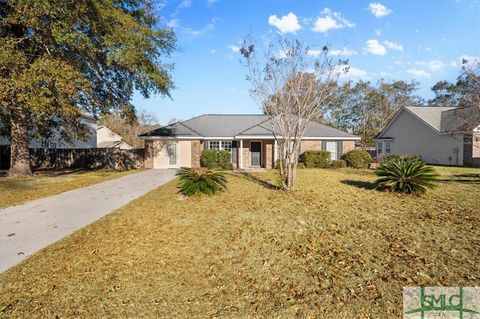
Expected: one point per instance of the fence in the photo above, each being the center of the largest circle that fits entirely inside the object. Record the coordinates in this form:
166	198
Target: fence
108	158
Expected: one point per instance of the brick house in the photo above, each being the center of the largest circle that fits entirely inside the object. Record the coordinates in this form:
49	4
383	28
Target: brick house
249	138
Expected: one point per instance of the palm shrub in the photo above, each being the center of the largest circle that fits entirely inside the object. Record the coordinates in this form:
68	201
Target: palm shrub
357	159
403	175
201	180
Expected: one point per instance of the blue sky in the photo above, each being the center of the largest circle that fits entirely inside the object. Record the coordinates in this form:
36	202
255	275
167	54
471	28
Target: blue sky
407	40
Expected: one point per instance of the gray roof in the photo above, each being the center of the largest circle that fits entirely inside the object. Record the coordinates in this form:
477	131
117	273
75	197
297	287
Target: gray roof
236	125
430	115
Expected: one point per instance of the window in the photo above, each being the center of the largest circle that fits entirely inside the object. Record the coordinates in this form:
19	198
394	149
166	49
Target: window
380	148
388	147
332	148
226	145
52	145
214	145
172	153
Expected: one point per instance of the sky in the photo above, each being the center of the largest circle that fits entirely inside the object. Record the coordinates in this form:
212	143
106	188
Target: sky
403	40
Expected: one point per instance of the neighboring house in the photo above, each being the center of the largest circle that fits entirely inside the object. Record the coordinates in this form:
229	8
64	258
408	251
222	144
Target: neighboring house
249	138
439	135
106	138
57	141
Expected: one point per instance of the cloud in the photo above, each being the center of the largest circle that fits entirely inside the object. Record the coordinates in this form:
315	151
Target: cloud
379	10
313	53
378	32
185	4
419	73
469	61
433	65
331	20
210	2
173	23
234	48
200	32
375	47
350	72
342	52
286	24
213	51
393	45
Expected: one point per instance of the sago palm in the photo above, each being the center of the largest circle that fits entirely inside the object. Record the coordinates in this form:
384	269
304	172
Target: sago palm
403	175
201	180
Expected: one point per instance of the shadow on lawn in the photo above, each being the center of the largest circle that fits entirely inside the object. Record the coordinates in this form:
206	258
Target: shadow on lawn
467	178
359	184
255	179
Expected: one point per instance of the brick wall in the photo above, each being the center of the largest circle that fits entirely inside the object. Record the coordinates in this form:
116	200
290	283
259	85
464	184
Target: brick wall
149	154
310	146
197	148
246	153
267	161
348	146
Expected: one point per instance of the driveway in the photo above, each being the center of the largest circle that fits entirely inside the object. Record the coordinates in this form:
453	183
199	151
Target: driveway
27	228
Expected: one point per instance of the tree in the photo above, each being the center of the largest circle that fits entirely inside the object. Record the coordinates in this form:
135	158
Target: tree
130	130
365	109
292	89
61	58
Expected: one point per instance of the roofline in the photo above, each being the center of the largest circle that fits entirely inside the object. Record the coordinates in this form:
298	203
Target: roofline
244	137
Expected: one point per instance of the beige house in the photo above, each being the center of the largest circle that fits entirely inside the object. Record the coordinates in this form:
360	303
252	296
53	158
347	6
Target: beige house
106	138
439	135
249	138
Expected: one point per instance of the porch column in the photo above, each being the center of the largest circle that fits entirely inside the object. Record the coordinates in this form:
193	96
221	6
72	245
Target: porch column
240	149
275	149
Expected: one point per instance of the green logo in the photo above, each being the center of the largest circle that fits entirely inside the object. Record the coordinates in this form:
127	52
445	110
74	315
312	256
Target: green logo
444	302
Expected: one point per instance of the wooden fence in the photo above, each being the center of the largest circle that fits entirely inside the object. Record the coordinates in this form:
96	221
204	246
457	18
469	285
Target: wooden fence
90	158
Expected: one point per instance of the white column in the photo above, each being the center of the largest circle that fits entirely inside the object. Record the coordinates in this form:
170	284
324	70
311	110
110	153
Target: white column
240	165
275	150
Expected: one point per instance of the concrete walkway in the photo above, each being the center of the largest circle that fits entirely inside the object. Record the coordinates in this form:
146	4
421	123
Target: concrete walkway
27	228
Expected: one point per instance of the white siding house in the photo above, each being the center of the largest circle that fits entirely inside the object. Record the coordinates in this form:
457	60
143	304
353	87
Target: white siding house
418	131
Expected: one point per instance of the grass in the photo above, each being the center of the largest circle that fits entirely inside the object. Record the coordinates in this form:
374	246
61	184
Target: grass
332	248
18	190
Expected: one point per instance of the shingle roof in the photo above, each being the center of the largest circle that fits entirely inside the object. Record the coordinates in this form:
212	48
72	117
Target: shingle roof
430	115
232	125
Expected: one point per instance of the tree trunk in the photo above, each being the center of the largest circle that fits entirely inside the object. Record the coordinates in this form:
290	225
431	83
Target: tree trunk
20	154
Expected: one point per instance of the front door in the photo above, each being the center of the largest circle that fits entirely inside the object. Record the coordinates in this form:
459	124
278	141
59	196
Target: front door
255	153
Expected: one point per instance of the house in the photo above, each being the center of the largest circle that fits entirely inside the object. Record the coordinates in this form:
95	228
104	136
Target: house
439	135
249	138
57	141
106	138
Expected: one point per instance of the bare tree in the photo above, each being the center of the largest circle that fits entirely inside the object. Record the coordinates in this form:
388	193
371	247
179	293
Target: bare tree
293	87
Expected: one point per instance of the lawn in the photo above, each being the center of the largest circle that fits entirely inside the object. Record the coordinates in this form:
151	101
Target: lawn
17	190
333	248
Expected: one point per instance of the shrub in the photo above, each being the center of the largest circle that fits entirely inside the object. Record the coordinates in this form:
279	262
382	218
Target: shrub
409	176
398	157
227	166
224	158
208	158
317	159
201	180
357	159
338	164
300	165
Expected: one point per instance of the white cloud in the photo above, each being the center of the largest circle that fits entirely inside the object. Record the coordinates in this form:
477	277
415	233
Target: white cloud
342	52
379	10
281	54
350	72
419	73
375	47
393	45
285	24
378	32
213	51
234	48
200	32
314	53
210	2
173	23
330	20
433	65
469	60
185	4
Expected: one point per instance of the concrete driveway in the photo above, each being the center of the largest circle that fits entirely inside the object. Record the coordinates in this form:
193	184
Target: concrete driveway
27	228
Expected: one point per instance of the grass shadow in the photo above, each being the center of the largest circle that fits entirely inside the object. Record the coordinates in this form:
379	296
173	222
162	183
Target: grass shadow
359	184
255	179
467	178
